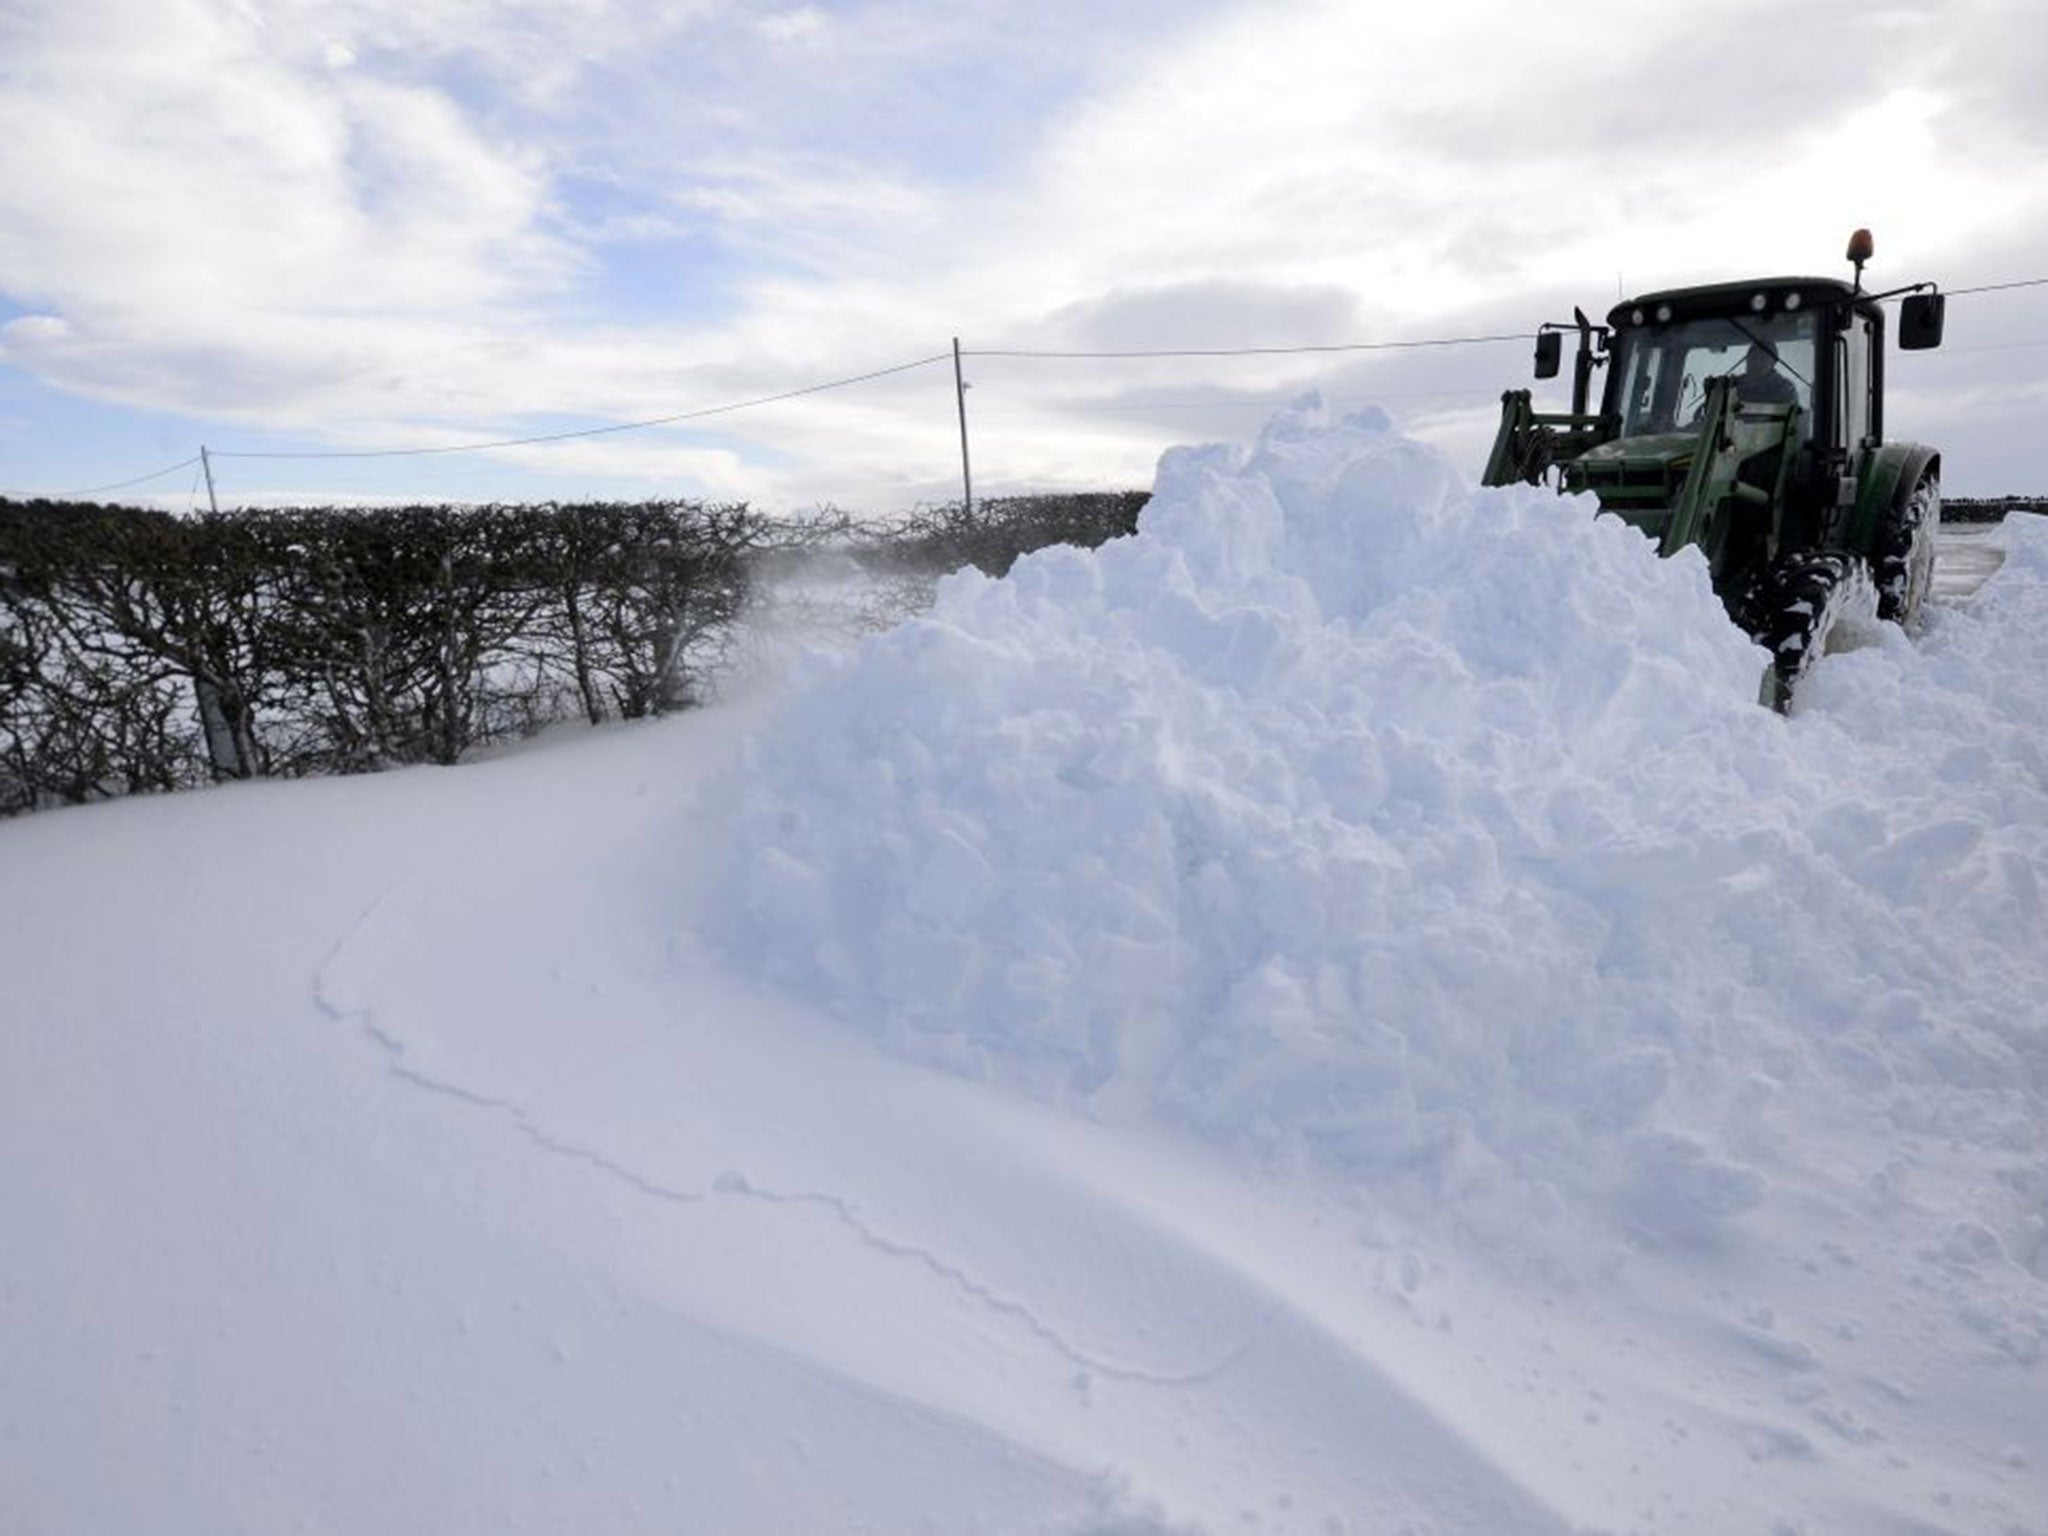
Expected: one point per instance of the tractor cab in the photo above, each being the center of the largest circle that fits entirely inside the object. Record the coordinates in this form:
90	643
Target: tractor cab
1790	371
1745	420
1740	417
1658	368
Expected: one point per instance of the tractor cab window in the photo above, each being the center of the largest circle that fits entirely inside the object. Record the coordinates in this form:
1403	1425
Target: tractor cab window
1659	377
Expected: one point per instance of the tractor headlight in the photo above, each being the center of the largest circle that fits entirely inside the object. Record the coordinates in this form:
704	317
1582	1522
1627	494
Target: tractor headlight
1663	313
1791	301
1635	317
1756	303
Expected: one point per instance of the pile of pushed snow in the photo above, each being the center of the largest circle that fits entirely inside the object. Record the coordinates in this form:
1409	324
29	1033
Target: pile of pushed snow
1349	810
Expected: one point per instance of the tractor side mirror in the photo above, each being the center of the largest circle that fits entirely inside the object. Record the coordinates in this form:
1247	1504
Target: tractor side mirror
1920	320
1550	353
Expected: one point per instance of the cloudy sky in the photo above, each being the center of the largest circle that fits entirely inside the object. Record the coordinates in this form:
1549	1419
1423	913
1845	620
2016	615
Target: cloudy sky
322	225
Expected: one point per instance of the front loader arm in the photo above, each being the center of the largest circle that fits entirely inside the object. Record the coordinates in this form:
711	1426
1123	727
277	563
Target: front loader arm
1531	442
1716	494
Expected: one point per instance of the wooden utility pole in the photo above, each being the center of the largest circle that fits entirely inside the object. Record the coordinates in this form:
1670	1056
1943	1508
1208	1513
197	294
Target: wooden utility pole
206	463
960	396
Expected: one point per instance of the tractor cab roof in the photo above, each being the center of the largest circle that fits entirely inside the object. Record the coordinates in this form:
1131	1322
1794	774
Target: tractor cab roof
1753	294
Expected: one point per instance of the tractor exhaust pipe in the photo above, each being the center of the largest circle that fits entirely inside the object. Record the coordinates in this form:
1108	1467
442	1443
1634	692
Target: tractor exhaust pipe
1583	364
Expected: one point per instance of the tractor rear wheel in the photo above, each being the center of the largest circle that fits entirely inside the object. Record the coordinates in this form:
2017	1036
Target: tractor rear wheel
1902	565
1798	608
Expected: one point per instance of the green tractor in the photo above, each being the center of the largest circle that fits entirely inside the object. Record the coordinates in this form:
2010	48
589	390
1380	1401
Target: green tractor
1748	419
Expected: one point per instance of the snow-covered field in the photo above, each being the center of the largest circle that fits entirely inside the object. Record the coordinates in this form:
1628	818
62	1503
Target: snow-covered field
1336	1015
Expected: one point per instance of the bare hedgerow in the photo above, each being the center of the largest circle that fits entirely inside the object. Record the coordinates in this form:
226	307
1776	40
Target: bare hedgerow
141	651
993	533
399	631
100	703
646	598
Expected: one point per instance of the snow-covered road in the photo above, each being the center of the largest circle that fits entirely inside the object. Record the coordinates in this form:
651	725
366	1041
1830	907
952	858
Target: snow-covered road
1966	557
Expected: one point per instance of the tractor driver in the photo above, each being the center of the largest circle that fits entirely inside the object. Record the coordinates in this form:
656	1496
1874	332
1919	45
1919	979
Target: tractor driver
1761	382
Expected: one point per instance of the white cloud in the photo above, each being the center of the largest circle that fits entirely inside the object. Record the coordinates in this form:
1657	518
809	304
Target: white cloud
30	332
361	218
788	26
811	210
184	175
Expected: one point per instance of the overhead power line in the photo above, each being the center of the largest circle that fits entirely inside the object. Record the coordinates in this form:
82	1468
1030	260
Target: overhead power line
1259	403
1101	354
1996	346
2025	282
622	426
122	485
1346	346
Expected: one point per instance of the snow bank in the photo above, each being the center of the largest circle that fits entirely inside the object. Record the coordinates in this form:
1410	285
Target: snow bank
1350	812
388	1154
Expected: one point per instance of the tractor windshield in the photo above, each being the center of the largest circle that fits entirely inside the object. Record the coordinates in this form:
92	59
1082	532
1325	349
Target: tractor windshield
1660	372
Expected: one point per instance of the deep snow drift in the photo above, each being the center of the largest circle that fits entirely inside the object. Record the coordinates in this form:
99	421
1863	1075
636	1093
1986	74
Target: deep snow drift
1436	832
1419	1050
